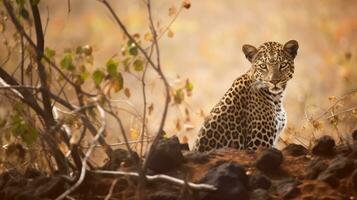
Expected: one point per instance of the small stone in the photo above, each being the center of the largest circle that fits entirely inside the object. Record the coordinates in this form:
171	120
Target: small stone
258	180
295	150
166	155
324	146
197	157
354	135
260	194
314	168
269	160
339	167
121	157
230	180
184	147
52	189
329	179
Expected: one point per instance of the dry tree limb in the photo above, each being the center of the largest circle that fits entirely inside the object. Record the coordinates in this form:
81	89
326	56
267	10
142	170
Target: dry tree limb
111	189
161	177
87	155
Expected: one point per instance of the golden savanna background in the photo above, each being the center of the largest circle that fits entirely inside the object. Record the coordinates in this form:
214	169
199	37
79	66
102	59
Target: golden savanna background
203	44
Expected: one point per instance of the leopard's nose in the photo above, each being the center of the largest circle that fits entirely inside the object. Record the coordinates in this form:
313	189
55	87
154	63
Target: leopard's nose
274	81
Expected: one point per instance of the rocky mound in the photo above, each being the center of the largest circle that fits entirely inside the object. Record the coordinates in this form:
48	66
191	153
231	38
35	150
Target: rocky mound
326	172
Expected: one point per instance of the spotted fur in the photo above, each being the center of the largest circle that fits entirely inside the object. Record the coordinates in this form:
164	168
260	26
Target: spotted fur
251	113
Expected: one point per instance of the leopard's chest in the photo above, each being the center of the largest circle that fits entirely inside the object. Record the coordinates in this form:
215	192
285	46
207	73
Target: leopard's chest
281	120
266	117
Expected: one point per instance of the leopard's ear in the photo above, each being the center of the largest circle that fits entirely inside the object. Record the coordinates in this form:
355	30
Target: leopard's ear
249	51
291	48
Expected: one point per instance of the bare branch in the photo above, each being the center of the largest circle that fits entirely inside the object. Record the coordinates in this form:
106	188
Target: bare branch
87	155
161	177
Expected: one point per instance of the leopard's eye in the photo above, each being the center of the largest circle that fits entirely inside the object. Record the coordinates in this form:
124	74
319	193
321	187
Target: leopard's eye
262	66
283	65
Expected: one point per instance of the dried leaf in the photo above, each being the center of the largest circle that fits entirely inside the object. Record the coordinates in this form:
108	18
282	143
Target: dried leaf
186	4
170	34
127	92
150	108
178	124
172	11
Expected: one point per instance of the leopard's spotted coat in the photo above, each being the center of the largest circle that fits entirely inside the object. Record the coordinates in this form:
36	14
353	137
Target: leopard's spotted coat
251	113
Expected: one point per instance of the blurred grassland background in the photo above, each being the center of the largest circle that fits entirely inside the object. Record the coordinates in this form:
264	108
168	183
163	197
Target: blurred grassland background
204	45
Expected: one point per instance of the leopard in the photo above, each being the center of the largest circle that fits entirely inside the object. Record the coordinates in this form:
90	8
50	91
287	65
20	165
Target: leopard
251	115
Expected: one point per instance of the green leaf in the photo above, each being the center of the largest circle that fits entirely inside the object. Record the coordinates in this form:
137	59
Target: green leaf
84	75
118	82
67	62
112	67
133	49
24	13
30	137
138	65
49	53
126	64
98	76
20	128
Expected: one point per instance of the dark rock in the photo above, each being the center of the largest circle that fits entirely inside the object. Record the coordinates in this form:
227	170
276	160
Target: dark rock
269	160
4	178
258	180
230	180
329	179
339	167
260	194
26	195
32	173
121	157
10	192
166	155
354	179
295	150
324	146
354	135
197	157
185	147
163	195
288	189
52	189
314	168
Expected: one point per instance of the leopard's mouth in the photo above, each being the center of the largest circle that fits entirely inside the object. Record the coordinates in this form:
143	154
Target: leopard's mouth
275	89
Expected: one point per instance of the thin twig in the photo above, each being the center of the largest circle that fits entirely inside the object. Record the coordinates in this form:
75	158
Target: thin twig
161	177
87	155
111	189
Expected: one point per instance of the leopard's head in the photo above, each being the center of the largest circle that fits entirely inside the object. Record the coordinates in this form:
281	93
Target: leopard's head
272	64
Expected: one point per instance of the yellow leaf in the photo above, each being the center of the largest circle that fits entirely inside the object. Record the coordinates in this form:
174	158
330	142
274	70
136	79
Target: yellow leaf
134	134
148	37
